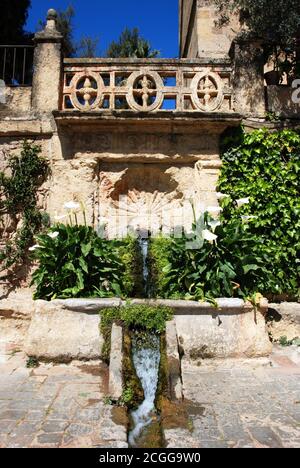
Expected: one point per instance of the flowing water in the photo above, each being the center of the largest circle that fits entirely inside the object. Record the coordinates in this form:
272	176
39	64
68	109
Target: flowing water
146	359
144	246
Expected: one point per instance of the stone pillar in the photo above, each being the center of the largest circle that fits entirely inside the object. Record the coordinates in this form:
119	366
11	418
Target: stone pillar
47	76
248	83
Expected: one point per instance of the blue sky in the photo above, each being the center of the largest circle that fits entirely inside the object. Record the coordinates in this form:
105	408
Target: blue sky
105	19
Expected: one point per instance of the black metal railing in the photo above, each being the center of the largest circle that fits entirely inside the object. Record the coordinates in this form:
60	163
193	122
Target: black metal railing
16	64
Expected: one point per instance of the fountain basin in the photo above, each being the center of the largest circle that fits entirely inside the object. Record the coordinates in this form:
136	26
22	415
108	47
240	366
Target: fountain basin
63	330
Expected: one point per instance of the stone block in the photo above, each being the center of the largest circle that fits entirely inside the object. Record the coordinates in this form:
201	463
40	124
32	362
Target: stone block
228	332
115	365
59	334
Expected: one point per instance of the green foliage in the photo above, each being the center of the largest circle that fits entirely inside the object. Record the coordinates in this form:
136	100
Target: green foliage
131	44
196	268
266	168
75	262
87	47
18	202
32	363
146	317
138	317
276	25
286	343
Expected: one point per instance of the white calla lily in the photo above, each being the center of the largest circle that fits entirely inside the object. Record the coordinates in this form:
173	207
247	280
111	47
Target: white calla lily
214	224
34	247
209	236
243	201
222	196
53	235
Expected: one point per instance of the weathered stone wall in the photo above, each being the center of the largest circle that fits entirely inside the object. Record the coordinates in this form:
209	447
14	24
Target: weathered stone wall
200	35
284	321
15	101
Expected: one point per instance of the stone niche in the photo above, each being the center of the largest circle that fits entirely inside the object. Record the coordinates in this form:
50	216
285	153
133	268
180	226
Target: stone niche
138	175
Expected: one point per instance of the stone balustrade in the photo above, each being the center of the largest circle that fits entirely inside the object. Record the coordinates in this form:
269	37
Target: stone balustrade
147	85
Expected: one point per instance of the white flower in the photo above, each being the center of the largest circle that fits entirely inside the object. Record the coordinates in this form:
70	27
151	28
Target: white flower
214	224
60	218
33	248
243	201
72	206
214	209
209	236
53	235
222	196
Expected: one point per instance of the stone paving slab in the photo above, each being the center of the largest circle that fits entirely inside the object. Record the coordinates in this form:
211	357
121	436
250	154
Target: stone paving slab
231	404
246	403
55	406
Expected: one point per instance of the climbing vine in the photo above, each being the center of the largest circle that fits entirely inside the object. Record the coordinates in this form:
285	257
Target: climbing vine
20	218
264	167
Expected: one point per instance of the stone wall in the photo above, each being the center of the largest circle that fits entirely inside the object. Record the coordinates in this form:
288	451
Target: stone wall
200	35
15	100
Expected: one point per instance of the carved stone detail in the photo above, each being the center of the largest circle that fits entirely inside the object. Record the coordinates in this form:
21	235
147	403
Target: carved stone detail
141	88
207	91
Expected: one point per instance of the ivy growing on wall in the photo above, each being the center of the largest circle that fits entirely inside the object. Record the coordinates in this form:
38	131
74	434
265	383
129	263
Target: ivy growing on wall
20	218
265	167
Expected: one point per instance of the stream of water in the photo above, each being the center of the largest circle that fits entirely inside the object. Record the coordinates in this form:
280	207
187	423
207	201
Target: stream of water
144	246
146	359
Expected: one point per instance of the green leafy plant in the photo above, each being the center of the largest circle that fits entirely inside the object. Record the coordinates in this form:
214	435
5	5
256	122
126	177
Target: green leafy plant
206	265
18	203
265	168
75	262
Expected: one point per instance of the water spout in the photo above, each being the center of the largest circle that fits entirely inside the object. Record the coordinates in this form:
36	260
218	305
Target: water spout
144	248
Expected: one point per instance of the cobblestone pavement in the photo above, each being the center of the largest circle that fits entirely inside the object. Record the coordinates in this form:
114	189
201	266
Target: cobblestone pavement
56	406
245	404
233	404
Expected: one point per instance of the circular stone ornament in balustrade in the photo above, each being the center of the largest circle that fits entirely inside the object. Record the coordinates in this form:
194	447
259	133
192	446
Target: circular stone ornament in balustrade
145	91
87	91
207	91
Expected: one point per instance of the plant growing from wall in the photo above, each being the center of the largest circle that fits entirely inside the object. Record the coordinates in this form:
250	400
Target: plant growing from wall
18	204
133	317
265	168
75	262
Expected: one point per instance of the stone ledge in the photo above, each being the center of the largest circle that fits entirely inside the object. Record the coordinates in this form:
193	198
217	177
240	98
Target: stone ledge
25	126
64	330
